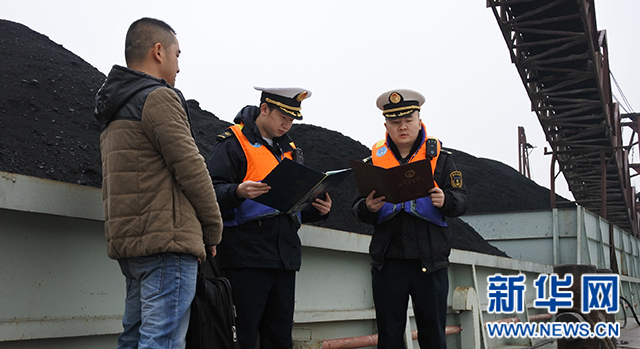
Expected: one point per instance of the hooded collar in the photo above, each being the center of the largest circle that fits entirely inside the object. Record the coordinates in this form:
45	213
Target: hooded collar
120	85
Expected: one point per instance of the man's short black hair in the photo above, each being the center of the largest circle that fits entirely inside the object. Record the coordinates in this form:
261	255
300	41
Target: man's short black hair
271	106
143	34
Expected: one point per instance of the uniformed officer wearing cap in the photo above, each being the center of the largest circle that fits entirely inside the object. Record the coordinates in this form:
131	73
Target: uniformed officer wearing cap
410	247
260	250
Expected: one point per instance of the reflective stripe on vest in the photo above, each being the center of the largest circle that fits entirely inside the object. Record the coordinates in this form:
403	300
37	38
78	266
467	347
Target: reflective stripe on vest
260	161
421	208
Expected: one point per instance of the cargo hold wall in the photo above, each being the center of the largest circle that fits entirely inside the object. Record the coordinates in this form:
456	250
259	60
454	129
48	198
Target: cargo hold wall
59	290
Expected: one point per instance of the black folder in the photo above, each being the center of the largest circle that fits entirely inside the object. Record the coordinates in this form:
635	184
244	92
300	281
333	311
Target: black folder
398	184
294	186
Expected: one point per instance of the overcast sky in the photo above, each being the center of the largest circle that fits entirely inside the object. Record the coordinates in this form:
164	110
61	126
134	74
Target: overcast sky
347	53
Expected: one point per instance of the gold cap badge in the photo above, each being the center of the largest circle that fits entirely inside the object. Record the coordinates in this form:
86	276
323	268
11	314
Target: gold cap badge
301	96
395	98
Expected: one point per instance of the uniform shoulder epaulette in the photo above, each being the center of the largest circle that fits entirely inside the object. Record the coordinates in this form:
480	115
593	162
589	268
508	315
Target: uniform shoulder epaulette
445	150
224	135
367	159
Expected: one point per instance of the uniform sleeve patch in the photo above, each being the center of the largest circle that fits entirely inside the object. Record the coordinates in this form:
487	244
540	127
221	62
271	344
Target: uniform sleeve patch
456	179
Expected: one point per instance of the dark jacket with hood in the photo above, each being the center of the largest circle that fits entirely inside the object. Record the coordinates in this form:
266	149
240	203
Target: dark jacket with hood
157	193
268	243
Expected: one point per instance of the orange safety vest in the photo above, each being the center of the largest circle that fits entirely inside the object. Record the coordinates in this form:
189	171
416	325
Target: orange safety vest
382	156
260	161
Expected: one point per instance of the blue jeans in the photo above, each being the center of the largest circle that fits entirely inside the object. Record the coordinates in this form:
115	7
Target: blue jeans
160	289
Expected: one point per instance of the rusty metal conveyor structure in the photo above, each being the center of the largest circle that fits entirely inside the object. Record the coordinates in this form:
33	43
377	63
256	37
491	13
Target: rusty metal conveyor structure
562	60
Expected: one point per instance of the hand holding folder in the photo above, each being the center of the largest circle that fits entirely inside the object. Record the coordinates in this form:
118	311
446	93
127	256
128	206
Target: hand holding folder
295	186
398	184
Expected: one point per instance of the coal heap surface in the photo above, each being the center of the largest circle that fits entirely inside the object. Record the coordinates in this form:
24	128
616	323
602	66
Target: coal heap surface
495	187
48	131
46	109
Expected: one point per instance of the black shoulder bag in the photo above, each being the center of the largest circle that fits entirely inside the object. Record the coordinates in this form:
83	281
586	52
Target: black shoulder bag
212	324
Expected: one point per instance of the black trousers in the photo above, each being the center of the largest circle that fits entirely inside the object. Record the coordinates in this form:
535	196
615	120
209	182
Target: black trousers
264	300
392	286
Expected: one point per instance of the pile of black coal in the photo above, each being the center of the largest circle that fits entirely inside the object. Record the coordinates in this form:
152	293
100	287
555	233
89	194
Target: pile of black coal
48	131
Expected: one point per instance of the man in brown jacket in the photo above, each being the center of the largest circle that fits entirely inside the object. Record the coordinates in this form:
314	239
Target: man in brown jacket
159	204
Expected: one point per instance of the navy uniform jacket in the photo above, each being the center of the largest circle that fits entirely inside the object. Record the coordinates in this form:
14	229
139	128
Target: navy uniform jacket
431	244
268	243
